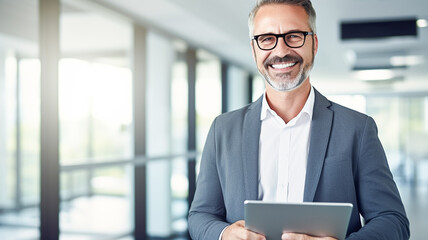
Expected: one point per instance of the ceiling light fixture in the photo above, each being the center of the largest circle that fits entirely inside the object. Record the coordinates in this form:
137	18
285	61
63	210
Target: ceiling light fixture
375	75
410	60
422	23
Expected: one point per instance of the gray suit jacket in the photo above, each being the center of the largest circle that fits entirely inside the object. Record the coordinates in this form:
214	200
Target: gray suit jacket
346	163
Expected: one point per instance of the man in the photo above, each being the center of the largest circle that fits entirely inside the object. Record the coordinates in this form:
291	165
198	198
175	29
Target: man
293	144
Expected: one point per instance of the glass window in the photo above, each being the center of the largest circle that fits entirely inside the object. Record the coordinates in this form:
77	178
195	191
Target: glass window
8	131
258	87
29	125
179	104
19	120
179	116
355	102
401	121
105	212
95	120
95	111
237	88
208	94
160	59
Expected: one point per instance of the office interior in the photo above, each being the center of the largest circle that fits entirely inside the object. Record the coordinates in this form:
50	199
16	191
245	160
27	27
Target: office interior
105	105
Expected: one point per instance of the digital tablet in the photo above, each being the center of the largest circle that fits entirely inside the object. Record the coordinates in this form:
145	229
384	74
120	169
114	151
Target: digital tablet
316	219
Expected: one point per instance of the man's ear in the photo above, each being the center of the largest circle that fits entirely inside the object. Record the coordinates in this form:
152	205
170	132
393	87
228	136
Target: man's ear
253	50
315	44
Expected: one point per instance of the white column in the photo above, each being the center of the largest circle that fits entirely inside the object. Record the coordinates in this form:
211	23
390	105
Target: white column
160	57
3	133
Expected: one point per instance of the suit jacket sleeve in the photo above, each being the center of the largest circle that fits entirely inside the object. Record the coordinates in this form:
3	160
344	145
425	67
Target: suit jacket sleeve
207	214
379	200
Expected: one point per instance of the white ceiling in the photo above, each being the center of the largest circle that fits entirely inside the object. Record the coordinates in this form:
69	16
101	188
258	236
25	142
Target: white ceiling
221	27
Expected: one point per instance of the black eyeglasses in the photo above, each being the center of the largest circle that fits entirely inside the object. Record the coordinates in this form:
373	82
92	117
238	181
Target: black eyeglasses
268	41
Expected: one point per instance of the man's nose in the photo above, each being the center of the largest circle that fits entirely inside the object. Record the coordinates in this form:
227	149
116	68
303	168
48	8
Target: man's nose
281	48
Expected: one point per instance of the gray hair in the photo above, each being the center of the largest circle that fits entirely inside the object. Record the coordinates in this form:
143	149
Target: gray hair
306	4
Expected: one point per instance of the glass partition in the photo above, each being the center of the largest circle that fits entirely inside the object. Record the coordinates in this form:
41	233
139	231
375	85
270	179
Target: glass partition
179	116
208	94
19	120
95	120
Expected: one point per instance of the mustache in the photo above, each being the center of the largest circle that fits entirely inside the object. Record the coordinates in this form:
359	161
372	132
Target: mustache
286	58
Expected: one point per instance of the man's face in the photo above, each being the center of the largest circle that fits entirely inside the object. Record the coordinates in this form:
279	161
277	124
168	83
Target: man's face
284	68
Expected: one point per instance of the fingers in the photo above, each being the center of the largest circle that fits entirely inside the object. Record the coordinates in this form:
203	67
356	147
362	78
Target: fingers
293	236
298	236
237	231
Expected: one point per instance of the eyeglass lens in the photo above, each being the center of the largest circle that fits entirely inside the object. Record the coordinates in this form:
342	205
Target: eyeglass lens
269	41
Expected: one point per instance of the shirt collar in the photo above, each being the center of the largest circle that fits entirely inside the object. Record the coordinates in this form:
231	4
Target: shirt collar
307	108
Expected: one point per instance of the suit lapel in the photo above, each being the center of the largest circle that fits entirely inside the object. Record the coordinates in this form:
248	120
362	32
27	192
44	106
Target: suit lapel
250	149
319	138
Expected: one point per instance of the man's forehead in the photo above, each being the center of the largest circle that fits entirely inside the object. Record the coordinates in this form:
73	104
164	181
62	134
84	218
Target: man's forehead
281	15
278	8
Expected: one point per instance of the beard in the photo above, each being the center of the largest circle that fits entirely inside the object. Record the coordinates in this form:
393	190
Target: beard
284	81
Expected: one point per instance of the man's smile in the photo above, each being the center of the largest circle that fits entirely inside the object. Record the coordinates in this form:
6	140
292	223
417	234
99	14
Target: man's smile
283	65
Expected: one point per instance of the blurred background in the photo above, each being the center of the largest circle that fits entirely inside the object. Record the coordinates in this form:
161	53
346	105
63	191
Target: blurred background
105	105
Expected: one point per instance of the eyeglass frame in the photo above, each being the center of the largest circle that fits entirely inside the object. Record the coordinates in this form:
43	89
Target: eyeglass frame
255	37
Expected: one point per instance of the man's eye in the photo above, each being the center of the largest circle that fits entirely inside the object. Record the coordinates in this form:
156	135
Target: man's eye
267	39
294	36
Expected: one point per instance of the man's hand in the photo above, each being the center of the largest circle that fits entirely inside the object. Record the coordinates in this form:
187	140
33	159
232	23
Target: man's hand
297	236
237	231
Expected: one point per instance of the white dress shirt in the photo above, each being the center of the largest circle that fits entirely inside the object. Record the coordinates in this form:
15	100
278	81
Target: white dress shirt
283	153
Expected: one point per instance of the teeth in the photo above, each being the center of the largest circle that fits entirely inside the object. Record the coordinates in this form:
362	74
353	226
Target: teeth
286	65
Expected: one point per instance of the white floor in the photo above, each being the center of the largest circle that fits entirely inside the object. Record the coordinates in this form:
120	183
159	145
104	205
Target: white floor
85	218
91	218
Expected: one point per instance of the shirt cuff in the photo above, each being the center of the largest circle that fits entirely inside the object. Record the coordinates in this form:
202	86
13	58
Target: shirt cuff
221	234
